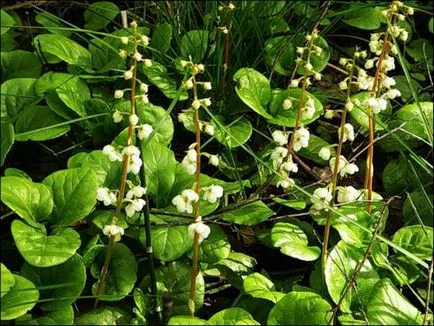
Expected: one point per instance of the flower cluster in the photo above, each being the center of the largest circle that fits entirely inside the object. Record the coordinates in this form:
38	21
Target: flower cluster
106	196
184	201
199	228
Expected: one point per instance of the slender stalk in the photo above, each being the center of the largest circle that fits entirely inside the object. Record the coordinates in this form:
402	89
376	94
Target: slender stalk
335	174
428	291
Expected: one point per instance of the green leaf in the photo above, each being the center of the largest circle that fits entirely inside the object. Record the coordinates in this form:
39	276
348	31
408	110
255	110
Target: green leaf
416	239
298	204
72	90
187	320
403	86
420	50
293	242
254	90
13	172
359	113
258	286
300	308
423	207
174	279
31	201
161	38
99	14
17	94
233	133
431	25
340	266
152	115
194	43
63	316
158	76
160	165
388	306
107	173
279	54
74	194
239	262
249	214
38	117
5	21
232	316
169	242
51	23
216	247
411	113
287	118
7	140
319	62
312	150
7	280
42	250
363	18
395	175
20	64
63	49
21	298
122	273
8	42
104	316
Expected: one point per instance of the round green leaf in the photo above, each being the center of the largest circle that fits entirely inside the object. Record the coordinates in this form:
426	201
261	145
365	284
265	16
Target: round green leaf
63	49
258	286
250	214
417	203
300	308
359	113
104	316
20	64
388	306
215	247
31	201
175	280
17	94
7	140
293	242
279	54
187	320
21	298
99	14
122	273
74	194
37	117
416	239
13	172
42	250
6	20
254	90
234	133
287	118
7	280
232	316
363	18
414	116
340	266
319	62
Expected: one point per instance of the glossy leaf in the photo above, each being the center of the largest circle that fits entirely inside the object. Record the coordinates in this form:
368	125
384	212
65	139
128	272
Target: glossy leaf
7	140
411	113
363	18
7	280
42	250
232	316
187	320
51	23
74	194
104	316
99	14
122	273
20	64
194	43
31	201
162	36
16	95
216	247
6	20
249	214
232	133
300	308
14	304
258	286
416	239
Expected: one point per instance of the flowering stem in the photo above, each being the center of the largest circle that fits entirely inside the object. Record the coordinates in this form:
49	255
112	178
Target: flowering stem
195	258
335	173
104	270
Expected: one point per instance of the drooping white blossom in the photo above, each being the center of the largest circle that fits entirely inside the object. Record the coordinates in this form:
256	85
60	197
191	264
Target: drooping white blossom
201	229
212	193
183	202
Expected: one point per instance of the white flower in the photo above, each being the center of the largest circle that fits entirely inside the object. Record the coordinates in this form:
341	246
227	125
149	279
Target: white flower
136	191
183	202
389	63
144	131
388	82
202	229
285	183
189	83
309	109
214	160
231	6
347	194
134	206
124	40
183	63
137	56
277	156
144	98
343	61
212	193
106	196
280	137
348	132
344	167
119	93
369	64
294	83
301	138
123	54
364	81
410	10
343	85
392	93
131	150
329	114
134	119
321	198
112	230
133	24
289	166
317	76
189	161
324	153
147	62
182	117
201	67
134	164
144	88
117	116
287	103
209	129
128	74
112	153
300	50
195	104
206	102
349	106
144	39
207	86
308	66
377	104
